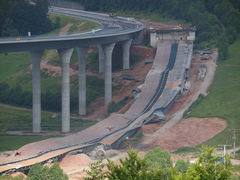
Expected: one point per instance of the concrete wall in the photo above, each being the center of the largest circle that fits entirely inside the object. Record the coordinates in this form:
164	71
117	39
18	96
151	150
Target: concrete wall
177	35
191	36
153	39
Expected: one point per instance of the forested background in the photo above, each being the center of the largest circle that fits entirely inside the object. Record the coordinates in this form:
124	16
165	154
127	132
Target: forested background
18	17
217	21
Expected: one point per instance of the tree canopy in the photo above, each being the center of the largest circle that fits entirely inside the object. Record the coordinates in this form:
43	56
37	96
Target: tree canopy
156	163
39	172
18	17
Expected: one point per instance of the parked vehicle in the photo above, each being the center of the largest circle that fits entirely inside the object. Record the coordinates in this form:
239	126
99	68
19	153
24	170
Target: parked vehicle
112	15
203	58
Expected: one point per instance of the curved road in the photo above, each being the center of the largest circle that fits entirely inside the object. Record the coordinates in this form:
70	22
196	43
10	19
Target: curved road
114	29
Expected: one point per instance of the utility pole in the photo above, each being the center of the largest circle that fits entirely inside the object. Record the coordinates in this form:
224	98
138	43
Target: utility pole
224	151
234	138
224	148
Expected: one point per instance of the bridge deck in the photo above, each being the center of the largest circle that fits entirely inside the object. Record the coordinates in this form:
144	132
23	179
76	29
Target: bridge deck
154	75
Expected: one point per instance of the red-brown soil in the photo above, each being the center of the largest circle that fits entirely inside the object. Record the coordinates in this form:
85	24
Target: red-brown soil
138	71
190	132
73	165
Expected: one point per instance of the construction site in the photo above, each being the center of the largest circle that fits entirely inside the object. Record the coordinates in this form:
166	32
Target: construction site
171	77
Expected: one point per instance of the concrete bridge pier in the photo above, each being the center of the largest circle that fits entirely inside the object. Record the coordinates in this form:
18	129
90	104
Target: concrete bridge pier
126	53
36	90
108	49
65	55
101	59
81	80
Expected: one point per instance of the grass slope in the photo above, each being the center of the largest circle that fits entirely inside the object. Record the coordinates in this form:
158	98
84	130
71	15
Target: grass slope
20	119
224	98
9	142
79	25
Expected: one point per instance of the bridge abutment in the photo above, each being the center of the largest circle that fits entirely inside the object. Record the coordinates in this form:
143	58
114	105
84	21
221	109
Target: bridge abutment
65	55
126	53
108	49
36	90
81	80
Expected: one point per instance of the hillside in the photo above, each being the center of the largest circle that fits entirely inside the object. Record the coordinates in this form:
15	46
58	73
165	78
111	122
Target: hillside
223	100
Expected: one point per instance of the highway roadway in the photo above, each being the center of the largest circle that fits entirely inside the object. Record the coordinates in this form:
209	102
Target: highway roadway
112	30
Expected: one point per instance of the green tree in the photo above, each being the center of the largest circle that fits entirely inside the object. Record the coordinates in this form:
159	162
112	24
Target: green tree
96	171
8	28
210	166
18	17
131	168
159	159
55	172
40	172
182	166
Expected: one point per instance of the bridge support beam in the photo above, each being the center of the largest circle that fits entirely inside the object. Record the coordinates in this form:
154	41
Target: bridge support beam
36	90
101	59
81	80
108	49
126	53
65	55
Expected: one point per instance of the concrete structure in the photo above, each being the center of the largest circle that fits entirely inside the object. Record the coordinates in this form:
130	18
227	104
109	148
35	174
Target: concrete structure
101	59
126	55
113	30
36	90
81	80
65	55
172	34
108	49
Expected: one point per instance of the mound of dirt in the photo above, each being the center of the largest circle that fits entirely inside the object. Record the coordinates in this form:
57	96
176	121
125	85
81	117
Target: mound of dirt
73	165
75	161
190	132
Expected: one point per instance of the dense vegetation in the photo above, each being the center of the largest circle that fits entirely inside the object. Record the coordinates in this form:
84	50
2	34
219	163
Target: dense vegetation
38	172
18	95
217	21
18	17
157	165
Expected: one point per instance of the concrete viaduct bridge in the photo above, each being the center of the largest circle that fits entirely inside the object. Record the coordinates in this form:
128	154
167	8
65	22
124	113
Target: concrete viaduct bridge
113	30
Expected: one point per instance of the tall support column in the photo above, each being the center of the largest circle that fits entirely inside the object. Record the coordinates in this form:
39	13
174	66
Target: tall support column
101	59
36	90
81	80
108	49
126	53
65	55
